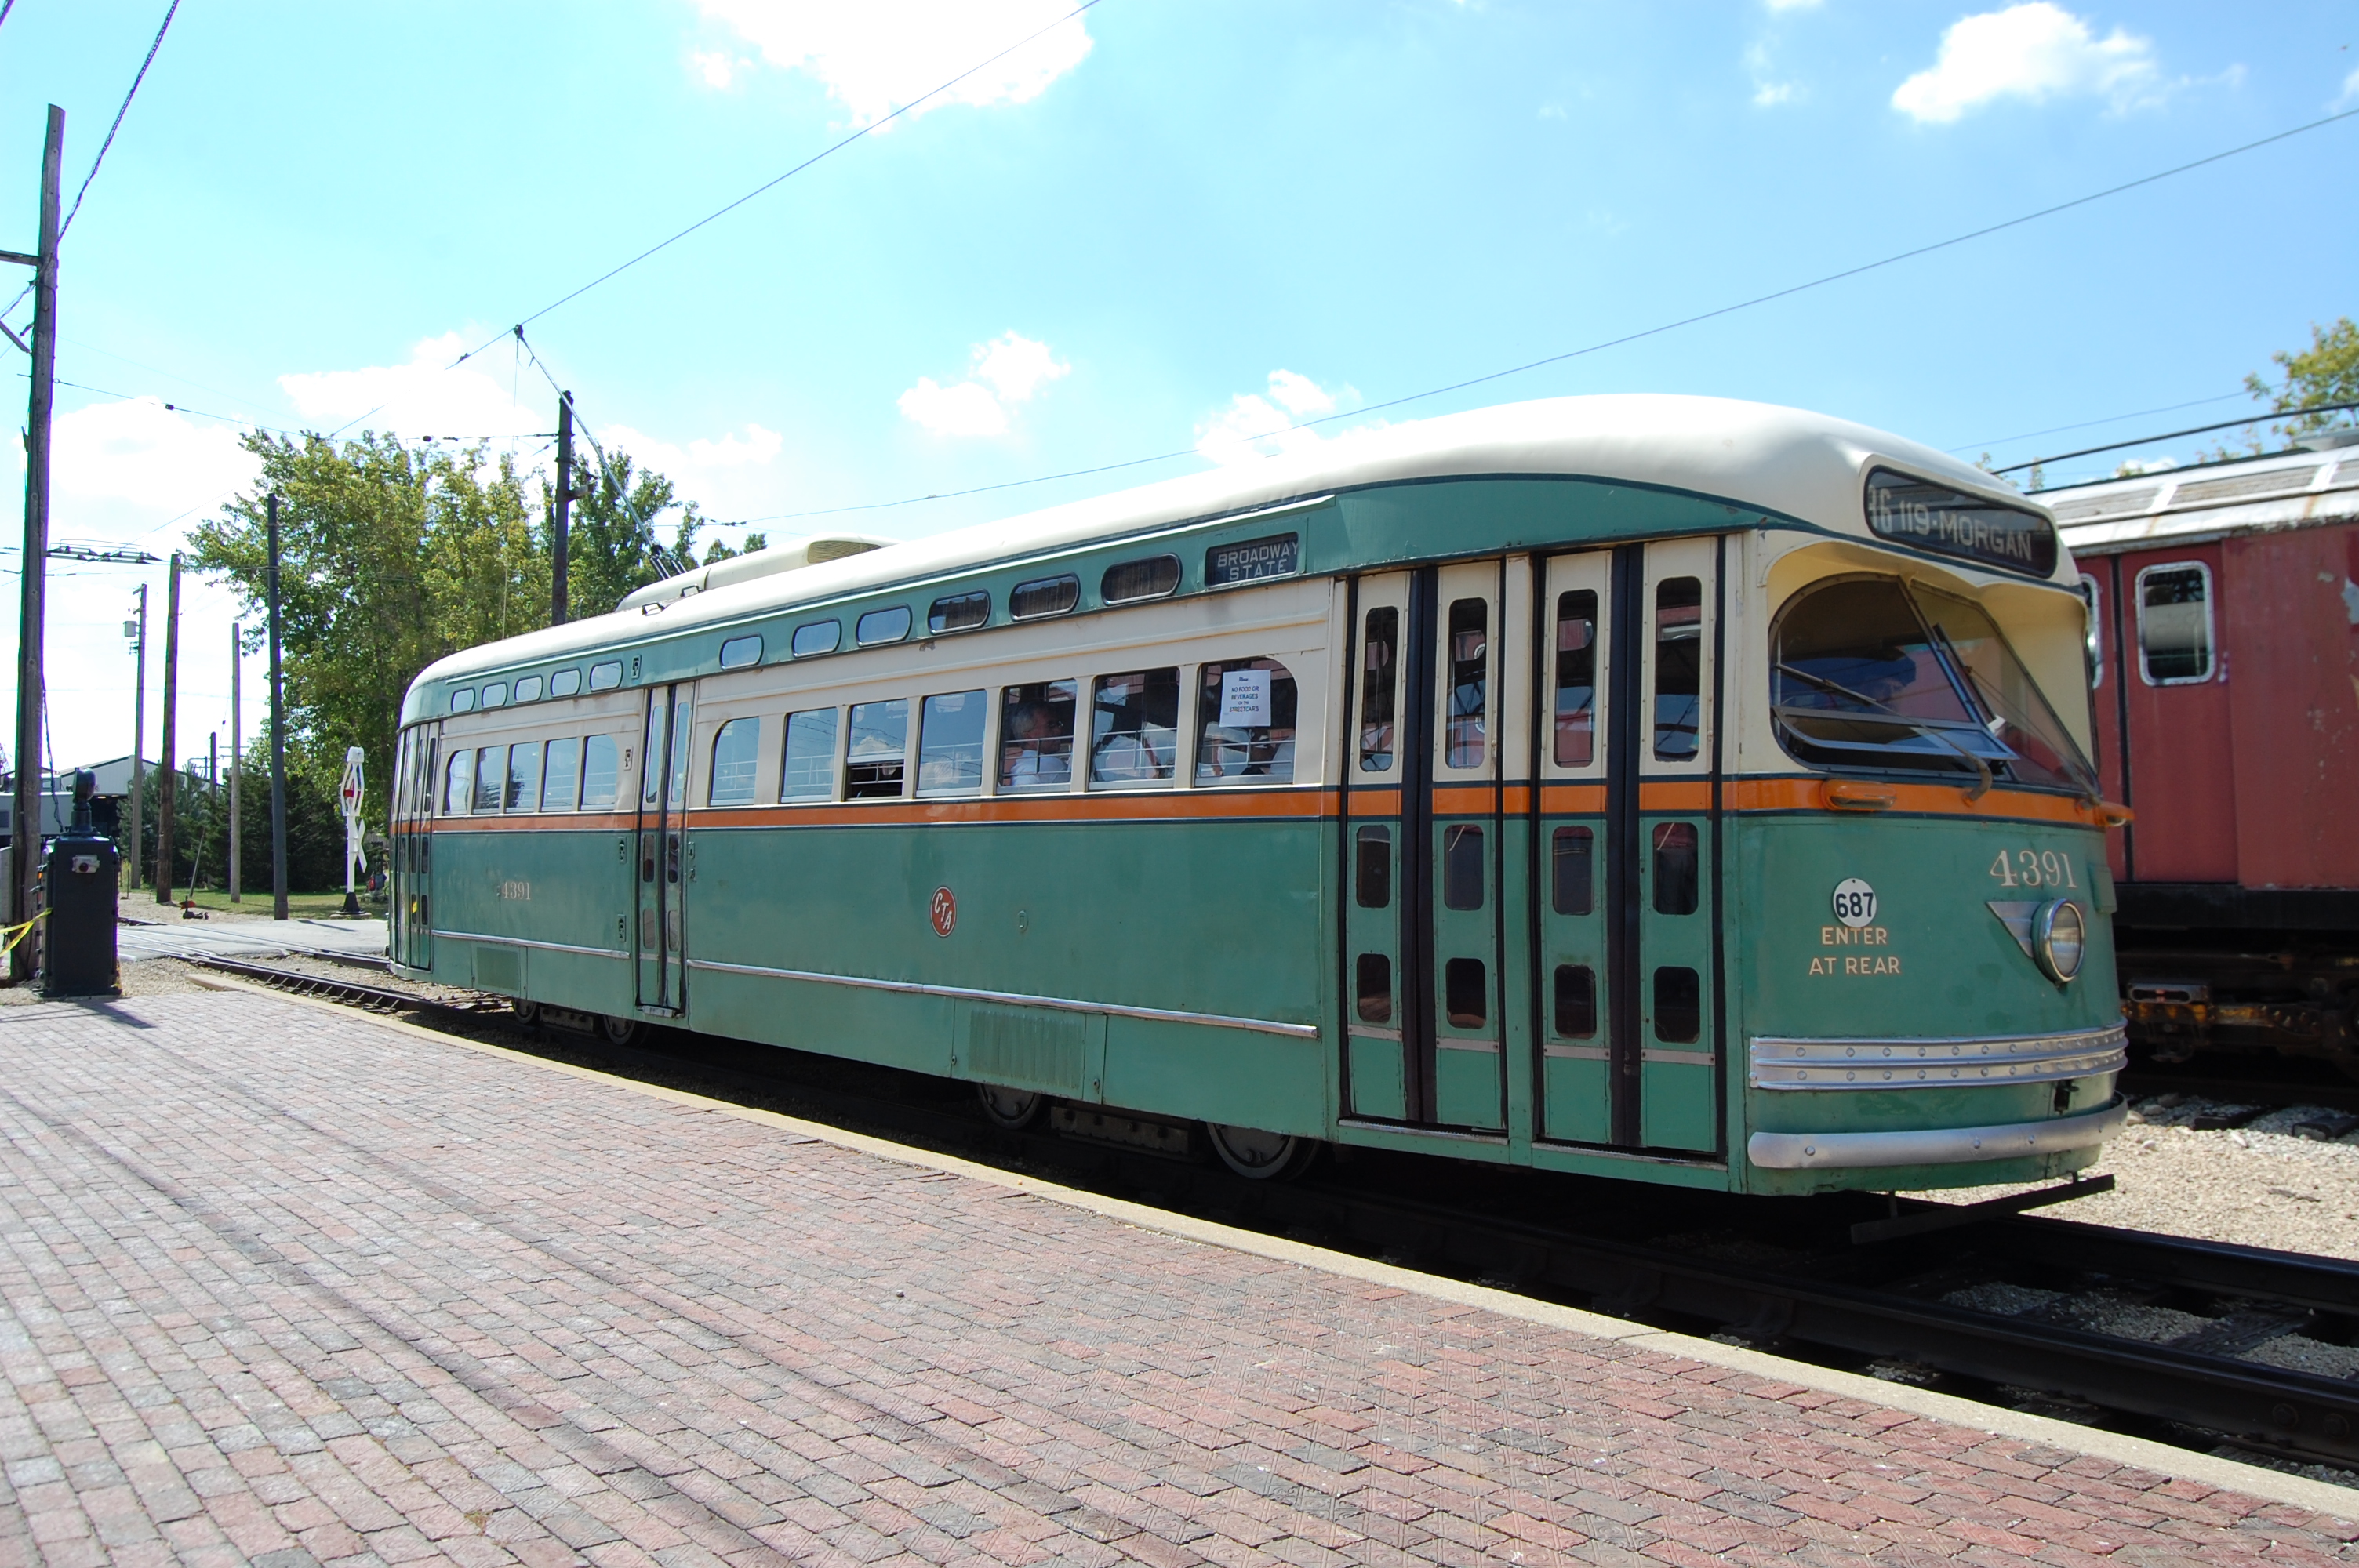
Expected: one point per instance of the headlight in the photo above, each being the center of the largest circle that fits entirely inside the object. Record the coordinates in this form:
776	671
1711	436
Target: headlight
2059	938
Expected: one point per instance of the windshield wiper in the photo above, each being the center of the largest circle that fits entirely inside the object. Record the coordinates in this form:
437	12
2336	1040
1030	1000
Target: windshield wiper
1934	731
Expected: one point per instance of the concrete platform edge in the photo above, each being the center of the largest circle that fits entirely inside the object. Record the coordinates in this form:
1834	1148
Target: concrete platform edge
2337	1502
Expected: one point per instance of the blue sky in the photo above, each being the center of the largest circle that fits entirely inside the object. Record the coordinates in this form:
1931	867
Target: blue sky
1161	228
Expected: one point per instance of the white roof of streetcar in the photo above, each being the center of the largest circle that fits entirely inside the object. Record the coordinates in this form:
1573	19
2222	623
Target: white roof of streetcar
1757	457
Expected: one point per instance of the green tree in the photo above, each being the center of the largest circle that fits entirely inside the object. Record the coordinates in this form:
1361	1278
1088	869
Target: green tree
611	545
2325	373
389	557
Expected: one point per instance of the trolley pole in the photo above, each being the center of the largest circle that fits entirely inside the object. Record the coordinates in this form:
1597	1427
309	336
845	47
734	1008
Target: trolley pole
278	737
23	863
561	524
236	762
131	854
168	768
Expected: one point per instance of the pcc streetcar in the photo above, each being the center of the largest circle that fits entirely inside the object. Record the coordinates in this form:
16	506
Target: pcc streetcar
1668	788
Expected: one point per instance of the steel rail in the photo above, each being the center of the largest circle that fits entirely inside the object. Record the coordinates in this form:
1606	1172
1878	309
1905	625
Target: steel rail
1820	1303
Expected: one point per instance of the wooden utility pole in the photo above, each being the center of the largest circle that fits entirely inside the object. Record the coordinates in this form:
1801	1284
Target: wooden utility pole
561	524
132	852
167	769
278	737
237	761
24	863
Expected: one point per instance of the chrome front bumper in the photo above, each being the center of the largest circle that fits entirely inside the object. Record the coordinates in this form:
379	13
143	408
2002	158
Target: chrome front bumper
1955	1062
1936	1145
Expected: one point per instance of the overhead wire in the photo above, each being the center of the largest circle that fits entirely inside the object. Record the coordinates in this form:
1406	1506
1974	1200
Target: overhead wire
2092	424
1599	347
769	185
169	13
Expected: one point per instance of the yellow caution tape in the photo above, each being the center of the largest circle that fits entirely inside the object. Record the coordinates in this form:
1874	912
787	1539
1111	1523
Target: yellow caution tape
17	934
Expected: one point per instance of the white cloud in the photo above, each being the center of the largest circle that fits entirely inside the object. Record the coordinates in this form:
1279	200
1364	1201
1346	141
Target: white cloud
1015	367
1768	93
1791	5
2034	51
876	55
1255	426
424	397
718	68
2350	93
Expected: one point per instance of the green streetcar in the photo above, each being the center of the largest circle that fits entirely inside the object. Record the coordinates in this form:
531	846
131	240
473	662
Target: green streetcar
1665	788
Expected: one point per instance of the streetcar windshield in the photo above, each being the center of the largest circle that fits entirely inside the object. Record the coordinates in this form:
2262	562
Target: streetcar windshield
1870	672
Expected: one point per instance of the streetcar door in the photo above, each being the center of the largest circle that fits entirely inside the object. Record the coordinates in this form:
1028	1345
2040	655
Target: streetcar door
417	790
663	795
1576	1000
1426	1029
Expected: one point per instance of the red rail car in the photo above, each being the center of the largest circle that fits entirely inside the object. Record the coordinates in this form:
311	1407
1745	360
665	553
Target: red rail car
2224	650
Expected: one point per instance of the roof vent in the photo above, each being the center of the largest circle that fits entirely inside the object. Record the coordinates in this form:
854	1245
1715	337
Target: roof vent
2274	481
2121	503
790	554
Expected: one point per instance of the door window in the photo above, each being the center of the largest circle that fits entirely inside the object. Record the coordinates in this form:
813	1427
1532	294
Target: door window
1468	700
2174	616
1576	678
1379	660
1678	667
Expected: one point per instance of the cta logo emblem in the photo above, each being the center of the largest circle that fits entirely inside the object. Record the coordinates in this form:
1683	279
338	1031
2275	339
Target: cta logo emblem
944	912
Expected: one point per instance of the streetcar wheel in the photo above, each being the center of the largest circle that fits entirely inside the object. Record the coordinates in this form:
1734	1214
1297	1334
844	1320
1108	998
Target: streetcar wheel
1013	1109
526	1010
619	1031
1259	1156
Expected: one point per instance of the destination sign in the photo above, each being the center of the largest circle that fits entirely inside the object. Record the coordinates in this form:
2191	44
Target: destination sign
1281	555
1910	511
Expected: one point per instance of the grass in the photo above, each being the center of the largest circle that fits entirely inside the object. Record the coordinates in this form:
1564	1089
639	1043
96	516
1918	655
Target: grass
300	905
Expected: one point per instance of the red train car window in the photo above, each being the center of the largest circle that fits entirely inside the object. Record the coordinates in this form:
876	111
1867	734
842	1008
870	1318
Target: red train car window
2174	614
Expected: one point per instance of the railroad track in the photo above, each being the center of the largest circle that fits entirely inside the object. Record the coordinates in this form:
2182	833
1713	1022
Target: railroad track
2156	1333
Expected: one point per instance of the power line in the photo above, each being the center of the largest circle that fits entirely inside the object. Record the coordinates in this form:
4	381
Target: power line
2191	431
2091	424
1628	338
169	13
772	184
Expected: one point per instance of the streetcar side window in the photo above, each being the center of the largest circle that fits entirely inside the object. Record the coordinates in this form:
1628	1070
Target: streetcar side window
1470	684
1134	727
606	677
602	773
1245	716
496	695
529	688
1036	735
736	752
2174	616
463	700
561	781
459	783
1465	993
949	743
882	626
1678	667
565	683
523	778
958	612
809	772
876	746
1576	678
1380	654
491	763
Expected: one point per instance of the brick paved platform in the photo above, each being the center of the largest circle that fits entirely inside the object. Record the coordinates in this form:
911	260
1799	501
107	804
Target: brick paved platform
284	1285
